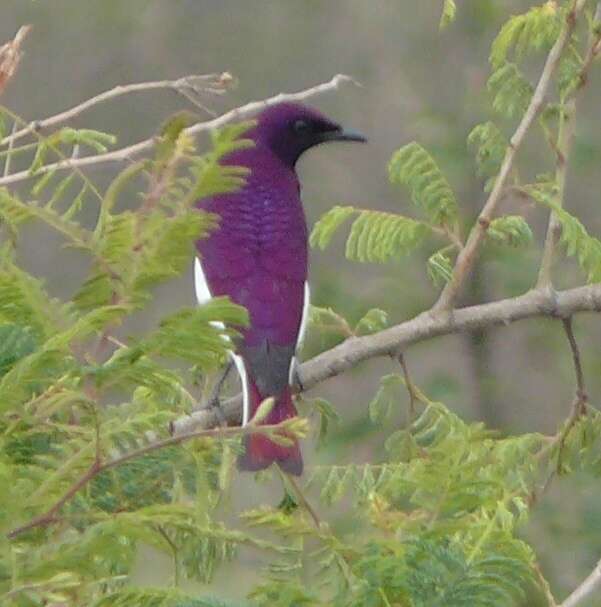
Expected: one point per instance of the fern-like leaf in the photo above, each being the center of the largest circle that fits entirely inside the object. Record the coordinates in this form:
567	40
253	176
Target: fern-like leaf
490	146
535	30
510	91
413	166
440	269
377	236
326	227
449	10
512	230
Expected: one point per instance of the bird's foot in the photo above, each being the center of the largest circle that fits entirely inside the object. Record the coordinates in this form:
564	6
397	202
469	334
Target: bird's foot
215	406
297	383
214	402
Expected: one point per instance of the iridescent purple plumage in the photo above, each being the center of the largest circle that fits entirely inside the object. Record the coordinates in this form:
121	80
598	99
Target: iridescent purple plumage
258	257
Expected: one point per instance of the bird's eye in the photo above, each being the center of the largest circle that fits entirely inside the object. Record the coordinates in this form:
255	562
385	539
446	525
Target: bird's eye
301	127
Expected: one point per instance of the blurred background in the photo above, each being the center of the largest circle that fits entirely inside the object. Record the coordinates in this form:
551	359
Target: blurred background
417	84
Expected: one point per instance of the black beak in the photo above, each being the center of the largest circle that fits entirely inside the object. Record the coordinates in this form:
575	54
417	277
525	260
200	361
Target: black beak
343	135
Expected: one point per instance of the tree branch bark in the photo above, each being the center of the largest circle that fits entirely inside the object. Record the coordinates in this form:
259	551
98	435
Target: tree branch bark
467	256
567	125
433	323
187	86
128	153
49	516
591	585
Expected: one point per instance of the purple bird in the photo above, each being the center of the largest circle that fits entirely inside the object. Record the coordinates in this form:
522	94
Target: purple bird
258	257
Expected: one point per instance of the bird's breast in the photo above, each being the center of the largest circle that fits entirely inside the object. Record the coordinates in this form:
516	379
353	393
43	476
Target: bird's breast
264	221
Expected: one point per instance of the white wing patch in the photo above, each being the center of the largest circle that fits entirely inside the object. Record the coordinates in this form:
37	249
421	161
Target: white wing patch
244	379
203	295
201	286
301	332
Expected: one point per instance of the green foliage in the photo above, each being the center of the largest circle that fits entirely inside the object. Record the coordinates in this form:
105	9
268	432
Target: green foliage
413	167
327	417
512	230
386	398
574	236
16	342
490	146
326	227
532	31
440	269
437	574
91	473
375	236
569	76
373	321
447	500
449	10
510	91
159	597
73	398
326	320
378	237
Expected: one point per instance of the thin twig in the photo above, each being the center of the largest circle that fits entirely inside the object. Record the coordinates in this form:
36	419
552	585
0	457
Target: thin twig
99	466
10	56
577	410
581	394
579	403
353	351
9	154
410	387
188	85
174	554
467	256
544	584
567	124
588	588
215	396
289	479
565	136
128	153
58	152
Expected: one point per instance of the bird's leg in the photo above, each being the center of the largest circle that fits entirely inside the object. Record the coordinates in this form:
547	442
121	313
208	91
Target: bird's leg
214	400
290	483
295	378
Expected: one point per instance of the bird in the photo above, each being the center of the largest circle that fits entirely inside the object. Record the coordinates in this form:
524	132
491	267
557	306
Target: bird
258	257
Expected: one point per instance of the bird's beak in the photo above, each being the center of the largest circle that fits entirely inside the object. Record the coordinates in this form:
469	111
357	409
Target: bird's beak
343	135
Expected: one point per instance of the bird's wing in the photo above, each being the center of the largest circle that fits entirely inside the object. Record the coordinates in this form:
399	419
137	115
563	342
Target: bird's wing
301	334
203	295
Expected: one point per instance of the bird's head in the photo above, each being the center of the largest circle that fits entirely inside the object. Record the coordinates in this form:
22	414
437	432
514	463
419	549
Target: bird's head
289	129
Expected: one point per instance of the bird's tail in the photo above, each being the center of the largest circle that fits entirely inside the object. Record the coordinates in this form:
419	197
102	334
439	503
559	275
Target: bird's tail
260	452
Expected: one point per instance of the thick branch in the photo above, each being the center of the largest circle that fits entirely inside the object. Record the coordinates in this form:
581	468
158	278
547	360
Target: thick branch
589	587
467	256
390	342
126	154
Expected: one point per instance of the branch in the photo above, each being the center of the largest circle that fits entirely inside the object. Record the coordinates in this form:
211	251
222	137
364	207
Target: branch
577	410
187	86
351	352
128	153
590	586
98	466
10	56
567	125
581	394
467	256
410	388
